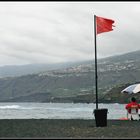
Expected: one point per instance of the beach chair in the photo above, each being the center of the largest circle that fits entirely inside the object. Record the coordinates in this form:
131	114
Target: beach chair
133	113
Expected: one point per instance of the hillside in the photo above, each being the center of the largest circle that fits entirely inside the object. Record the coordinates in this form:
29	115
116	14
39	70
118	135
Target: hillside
20	70
74	83
115	96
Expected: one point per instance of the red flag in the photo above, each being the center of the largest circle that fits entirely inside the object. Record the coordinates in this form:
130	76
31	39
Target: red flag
103	24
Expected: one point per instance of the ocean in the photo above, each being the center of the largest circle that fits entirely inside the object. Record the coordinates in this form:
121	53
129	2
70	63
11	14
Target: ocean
14	110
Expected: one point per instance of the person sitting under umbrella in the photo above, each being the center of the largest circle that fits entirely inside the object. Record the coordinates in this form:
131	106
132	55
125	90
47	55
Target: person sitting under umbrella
132	109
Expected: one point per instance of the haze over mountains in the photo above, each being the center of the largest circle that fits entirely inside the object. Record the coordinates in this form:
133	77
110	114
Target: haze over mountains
69	82
19	70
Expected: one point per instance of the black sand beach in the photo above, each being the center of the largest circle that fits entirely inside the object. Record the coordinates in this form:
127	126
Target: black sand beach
70	128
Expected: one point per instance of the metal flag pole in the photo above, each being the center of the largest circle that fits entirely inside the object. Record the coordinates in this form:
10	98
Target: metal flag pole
105	26
96	76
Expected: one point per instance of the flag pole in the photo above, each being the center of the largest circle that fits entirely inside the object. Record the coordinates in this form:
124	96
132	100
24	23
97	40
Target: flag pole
103	25
96	76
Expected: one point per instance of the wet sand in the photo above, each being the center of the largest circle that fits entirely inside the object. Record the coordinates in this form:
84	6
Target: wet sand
67	128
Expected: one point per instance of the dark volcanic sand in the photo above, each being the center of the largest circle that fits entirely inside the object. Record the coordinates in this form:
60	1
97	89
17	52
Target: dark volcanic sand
70	128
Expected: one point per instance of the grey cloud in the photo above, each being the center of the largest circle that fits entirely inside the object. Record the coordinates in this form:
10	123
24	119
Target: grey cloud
63	31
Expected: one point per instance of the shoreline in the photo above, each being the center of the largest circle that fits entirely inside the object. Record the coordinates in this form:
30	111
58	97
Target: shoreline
67	128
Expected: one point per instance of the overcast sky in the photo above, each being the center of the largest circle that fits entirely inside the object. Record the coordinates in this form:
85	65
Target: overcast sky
50	32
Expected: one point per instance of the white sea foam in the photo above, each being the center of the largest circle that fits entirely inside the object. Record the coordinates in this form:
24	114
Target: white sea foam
14	107
10	106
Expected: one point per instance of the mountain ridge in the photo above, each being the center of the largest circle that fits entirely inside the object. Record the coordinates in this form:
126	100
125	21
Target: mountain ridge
73	83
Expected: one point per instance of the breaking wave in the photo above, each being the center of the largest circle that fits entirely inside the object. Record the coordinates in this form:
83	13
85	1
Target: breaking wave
13	107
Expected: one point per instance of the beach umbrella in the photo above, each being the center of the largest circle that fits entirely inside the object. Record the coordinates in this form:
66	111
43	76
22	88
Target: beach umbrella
135	88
